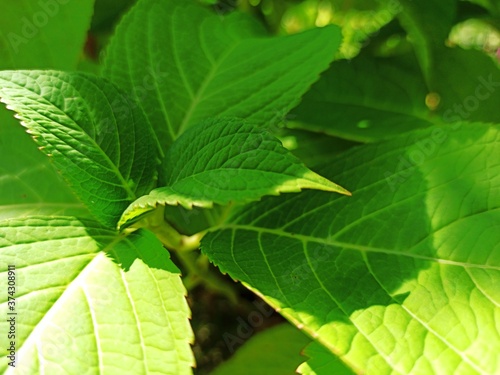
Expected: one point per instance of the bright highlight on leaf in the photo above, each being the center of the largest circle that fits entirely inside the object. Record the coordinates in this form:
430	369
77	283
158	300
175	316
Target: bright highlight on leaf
97	138
227	160
90	300
386	301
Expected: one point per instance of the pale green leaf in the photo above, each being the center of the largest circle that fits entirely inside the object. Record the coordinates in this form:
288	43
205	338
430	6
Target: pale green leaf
96	137
218	66
365	99
91	301
275	351
402	276
227	160
46	34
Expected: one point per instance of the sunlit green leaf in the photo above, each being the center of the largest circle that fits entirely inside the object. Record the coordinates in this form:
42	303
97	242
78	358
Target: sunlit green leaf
91	301
399	278
227	160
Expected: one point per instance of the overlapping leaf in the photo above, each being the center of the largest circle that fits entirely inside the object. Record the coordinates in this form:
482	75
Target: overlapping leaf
28	182
428	30
227	160
89	300
365	99
314	148
399	278
464	82
467	83
96	137
218	66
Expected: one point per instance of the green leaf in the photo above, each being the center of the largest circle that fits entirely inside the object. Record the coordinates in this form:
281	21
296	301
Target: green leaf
29	183
96	137
428	30
313	148
31	37
352	102
322	361
401	277
275	351
227	160
464	82
467	83
88	299
218	66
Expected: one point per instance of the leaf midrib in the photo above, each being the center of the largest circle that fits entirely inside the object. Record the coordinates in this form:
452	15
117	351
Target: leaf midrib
201	89
349	246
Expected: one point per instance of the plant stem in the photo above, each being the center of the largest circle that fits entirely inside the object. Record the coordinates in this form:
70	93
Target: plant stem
196	264
198	271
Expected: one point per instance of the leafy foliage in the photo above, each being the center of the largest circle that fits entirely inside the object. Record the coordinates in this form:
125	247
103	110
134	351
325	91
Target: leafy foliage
199	121
226	161
217	66
83	286
269	351
94	134
350	102
350	283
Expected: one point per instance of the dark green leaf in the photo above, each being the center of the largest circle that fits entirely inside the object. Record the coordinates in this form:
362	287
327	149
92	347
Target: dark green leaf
96	137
